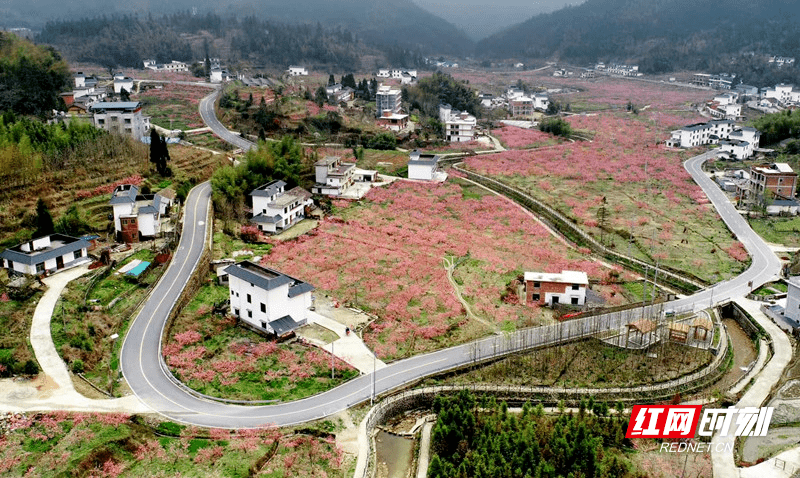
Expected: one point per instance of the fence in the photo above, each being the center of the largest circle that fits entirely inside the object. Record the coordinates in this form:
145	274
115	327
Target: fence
496	347
572	232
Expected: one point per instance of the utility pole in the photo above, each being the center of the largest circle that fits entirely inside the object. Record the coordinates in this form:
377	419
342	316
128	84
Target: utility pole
332	359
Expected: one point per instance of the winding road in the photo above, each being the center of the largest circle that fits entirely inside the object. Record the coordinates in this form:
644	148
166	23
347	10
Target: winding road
146	373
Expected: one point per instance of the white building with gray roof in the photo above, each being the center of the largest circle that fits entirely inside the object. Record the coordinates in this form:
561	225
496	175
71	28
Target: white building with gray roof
51	253
275	210
266	299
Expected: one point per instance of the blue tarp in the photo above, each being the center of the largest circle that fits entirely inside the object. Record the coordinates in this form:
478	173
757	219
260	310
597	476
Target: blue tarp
138	269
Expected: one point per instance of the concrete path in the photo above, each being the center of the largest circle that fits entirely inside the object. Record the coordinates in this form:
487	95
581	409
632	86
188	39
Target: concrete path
63	395
349	348
424	450
722	462
783	465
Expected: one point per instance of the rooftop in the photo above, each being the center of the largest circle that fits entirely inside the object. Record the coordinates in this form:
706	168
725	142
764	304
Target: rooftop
57	245
566	277
124	193
269	189
116	105
267	279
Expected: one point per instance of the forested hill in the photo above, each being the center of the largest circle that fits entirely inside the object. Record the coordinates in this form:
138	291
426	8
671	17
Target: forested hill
398	23
659	35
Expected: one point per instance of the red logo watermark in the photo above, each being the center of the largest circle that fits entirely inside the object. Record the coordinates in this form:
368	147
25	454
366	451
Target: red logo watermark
663	421
680	421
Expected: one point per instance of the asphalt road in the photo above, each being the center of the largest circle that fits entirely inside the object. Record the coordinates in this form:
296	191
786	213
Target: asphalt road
143	367
210	119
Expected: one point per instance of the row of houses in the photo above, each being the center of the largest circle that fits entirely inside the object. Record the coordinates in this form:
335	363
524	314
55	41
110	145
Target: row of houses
406	77
739	143
174	65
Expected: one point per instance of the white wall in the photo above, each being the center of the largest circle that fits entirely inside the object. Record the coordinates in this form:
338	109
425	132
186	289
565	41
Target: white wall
419	171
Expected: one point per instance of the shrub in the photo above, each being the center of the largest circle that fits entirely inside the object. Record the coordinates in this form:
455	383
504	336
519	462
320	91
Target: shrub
31	368
77	366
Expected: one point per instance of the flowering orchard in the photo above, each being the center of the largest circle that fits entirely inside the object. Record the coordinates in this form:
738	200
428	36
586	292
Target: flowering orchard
386	255
174	105
649	196
521	138
112	445
215	356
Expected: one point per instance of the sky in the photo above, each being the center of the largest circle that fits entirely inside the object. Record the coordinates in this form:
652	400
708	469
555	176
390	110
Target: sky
481	18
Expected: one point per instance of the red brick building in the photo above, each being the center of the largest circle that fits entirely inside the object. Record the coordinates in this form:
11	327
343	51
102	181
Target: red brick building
778	178
568	287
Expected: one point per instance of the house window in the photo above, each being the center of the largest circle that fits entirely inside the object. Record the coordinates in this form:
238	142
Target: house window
537	284
40	267
535	297
555	299
576	286
249	314
249	299
574	301
263	307
263	325
236	312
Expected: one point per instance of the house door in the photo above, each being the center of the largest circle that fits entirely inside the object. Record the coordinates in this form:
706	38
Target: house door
60	262
554	299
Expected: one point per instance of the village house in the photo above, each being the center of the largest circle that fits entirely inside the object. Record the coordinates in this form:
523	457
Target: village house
297	71
384	73
459	126
333	176
174	65
568	287
792	309
701	133
121	117
339	94
521	106
136	216
267	300
49	254
387	99
393	121
424	167
122	82
276	210
624	70
777	178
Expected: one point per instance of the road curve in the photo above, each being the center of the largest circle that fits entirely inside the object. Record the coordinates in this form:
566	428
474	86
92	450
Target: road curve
141	360
210	119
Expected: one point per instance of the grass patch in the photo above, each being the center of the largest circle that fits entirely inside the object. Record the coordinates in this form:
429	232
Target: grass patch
778	230
589	363
214	355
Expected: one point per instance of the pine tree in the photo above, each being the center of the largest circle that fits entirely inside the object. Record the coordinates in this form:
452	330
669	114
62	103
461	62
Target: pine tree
44	220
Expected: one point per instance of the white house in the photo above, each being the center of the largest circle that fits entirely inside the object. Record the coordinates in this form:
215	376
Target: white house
384	73
332	176
782	60
736	149
121	81
540	101
80	79
121	117
729	111
424	167
137	216
276	210
266	299
48	253
568	287
387	99
701	133
218	75
297	71
792	309
459	126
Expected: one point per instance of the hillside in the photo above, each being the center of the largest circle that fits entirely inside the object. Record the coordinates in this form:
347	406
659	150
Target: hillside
660	35
399	23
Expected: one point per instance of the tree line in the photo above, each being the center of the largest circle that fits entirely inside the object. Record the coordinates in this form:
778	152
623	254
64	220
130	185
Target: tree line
480	437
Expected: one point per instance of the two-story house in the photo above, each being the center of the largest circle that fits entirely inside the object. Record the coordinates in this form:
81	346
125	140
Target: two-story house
121	117
568	287
266	299
136	216
332	176
45	254
275	210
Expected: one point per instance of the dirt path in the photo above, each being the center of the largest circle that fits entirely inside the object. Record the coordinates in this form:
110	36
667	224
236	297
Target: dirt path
449	266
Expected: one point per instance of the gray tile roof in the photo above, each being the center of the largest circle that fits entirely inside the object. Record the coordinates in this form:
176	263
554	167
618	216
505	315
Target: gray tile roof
261	218
125	193
70	244
267	279
269	189
300	288
285	325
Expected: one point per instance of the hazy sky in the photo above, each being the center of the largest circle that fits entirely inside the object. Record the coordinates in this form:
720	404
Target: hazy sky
480	18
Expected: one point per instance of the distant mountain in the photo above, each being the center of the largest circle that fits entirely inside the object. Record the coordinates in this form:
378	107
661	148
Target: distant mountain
400	22
659	35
